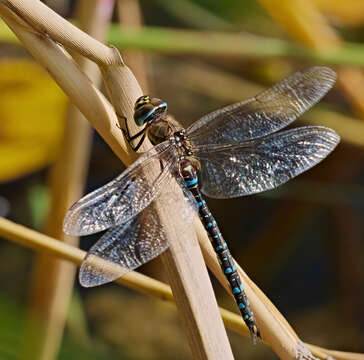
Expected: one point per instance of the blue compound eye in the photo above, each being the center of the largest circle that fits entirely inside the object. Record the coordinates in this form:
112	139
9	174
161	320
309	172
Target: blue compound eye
143	114
147	110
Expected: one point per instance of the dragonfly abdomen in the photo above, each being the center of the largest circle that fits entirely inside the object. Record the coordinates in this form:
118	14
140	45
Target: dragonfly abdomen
225	259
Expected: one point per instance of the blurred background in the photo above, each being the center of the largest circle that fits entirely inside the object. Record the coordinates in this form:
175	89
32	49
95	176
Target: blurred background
302	244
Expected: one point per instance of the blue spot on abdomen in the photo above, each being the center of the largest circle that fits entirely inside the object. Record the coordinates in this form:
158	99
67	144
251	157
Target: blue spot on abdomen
191	182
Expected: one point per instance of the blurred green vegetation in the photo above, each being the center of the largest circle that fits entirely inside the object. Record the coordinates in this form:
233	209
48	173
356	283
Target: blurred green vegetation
12	317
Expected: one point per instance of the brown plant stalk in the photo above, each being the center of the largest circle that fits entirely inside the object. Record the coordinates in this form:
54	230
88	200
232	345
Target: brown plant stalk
190	283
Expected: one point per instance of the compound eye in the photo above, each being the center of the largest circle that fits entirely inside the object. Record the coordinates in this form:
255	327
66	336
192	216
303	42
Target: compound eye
143	113
145	99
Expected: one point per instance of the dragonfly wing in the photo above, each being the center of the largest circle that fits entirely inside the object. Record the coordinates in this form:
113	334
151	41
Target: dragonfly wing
265	113
125	247
258	165
124	197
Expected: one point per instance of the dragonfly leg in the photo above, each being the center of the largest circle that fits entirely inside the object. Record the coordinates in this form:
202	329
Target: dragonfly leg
129	137
136	148
127	131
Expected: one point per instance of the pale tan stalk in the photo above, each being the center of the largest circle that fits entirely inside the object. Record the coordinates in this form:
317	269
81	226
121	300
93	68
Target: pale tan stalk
334	354
187	270
184	263
41	19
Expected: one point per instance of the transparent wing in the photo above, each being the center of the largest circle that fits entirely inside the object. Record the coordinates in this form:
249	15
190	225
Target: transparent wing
124	197
253	166
265	113
125	247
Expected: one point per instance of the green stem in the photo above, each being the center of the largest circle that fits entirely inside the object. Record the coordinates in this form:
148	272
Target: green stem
173	41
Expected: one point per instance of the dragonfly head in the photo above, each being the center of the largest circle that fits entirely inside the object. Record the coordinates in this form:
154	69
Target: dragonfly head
147	110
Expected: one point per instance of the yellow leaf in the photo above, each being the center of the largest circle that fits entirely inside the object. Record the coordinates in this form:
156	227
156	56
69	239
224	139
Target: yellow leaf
32	111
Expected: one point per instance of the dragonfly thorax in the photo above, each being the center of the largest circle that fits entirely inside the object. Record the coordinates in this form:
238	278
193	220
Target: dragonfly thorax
160	130
180	140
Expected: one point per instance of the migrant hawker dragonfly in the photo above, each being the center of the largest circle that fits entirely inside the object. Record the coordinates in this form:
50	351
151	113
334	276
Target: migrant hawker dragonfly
234	151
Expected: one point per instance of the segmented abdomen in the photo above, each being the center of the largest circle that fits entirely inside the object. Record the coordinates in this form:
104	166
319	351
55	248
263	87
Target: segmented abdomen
224	256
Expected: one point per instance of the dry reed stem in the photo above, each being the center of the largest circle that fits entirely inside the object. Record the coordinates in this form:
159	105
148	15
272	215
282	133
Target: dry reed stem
45	21
338	355
202	322
53	279
280	340
184	263
182	275
133	280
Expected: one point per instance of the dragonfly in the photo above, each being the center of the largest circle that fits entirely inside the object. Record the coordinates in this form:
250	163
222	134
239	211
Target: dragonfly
234	151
